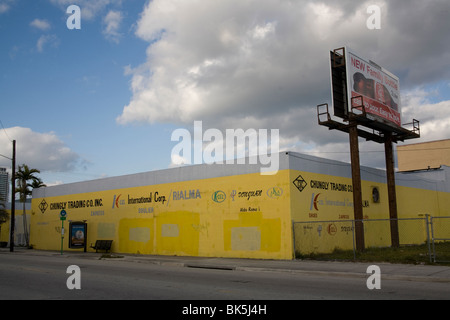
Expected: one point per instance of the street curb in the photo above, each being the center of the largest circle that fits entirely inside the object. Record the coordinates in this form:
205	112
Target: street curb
230	267
308	272
346	274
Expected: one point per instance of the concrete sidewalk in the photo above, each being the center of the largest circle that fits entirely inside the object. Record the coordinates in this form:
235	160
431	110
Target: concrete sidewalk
405	272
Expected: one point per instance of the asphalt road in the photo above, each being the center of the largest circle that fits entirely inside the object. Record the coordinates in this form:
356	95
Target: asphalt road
25	277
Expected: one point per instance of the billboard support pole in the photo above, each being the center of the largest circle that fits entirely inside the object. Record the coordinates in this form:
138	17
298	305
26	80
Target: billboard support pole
389	154
356	181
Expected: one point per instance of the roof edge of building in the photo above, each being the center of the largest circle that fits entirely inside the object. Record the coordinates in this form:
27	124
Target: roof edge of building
288	160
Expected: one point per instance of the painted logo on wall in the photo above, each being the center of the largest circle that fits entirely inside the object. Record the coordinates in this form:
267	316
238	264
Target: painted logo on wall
274	192
300	183
315	202
219	196
116	201
43	206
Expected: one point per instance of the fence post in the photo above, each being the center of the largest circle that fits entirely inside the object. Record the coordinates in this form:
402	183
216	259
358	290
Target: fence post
353	238
293	238
428	235
432	239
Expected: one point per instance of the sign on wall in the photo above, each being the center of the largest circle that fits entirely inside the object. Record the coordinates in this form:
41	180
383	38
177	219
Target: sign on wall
77	235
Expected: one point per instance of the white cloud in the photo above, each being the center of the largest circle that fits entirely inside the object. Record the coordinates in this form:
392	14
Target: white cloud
46	40
260	32
177	160
54	183
42	151
43	25
112	23
264	64
434	117
89	8
5	5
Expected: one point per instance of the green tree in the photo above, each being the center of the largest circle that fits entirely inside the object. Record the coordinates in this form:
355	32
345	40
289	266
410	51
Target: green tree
36	184
26	180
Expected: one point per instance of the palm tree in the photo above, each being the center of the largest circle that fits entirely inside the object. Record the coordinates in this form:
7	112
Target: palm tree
26	179
36	184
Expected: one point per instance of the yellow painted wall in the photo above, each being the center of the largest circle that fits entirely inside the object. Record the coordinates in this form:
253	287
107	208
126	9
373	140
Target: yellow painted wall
244	216
4	231
325	204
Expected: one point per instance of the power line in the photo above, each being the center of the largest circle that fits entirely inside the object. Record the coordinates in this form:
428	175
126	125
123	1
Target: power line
340	152
424	149
377	151
1	155
4	130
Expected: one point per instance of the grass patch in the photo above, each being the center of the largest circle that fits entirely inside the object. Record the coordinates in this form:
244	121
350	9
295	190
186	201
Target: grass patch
415	254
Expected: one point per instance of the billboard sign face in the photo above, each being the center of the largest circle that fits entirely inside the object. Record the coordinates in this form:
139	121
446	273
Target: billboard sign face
379	88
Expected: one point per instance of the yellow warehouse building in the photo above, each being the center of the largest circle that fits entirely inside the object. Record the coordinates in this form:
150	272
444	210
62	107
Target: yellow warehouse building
231	210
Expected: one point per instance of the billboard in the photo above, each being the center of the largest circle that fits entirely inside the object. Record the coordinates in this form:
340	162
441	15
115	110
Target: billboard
380	89
338	83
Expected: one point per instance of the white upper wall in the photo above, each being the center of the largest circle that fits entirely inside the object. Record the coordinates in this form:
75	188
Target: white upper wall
431	180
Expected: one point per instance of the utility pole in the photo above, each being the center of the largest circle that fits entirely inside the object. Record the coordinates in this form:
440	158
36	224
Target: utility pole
13	198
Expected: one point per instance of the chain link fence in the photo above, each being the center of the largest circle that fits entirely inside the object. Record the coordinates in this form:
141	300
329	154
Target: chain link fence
440	238
429	236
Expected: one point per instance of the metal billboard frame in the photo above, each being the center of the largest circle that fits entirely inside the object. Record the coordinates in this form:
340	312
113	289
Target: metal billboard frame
357	122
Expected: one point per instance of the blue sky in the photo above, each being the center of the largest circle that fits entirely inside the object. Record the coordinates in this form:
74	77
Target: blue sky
104	100
75	86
